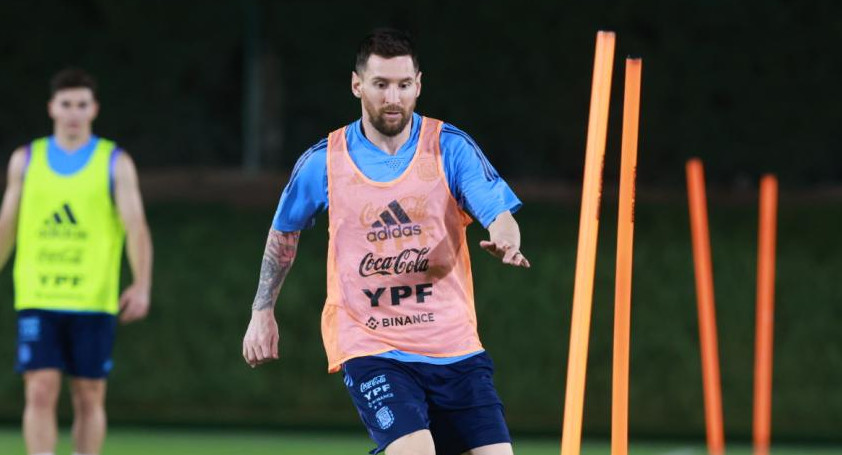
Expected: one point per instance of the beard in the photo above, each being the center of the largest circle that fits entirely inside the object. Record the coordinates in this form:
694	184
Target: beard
384	126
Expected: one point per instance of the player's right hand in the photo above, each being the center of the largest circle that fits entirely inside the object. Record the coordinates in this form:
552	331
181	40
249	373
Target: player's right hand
260	345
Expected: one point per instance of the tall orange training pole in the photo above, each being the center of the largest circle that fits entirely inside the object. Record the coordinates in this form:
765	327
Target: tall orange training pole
577	361
625	243
707	313
765	314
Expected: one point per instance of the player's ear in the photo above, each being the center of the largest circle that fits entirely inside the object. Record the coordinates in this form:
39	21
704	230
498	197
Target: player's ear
418	84
356	82
95	110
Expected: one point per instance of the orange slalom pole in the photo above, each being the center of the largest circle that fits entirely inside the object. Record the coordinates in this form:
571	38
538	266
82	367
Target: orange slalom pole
765	314
625	244
707	313
577	360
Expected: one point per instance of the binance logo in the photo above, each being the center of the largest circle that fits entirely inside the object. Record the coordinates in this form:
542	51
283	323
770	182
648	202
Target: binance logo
372	323
393	223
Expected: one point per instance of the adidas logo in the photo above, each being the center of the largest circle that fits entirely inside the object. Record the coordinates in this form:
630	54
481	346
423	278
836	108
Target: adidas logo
62	224
387	217
394	223
64	215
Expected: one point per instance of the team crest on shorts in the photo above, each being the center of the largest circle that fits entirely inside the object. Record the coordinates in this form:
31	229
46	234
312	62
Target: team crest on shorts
385	417
24	354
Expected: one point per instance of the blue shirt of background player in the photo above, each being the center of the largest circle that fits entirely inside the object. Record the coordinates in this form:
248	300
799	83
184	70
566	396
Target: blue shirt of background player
69	162
474	183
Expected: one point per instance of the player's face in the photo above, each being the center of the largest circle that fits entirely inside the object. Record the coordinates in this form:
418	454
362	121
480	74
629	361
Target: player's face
388	88
73	110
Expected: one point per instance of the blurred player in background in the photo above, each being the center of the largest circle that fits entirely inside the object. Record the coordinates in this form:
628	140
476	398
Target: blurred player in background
70	201
399	319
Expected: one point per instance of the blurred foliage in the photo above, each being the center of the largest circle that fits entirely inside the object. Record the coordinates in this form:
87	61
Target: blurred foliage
750	86
184	366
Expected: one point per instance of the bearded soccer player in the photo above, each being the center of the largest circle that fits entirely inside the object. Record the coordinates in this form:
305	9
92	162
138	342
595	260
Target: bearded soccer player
71	199
399	319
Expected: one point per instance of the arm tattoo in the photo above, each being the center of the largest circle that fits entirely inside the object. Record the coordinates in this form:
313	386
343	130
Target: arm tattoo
277	260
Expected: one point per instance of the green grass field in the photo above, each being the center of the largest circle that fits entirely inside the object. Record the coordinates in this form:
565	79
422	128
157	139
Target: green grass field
229	442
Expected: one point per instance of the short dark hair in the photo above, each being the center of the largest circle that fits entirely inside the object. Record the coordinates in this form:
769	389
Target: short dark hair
386	43
72	78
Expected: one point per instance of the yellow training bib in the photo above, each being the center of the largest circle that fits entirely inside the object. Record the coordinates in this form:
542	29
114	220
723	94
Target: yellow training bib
69	237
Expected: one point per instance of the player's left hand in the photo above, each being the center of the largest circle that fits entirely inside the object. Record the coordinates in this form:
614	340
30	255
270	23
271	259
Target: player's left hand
134	303
504	250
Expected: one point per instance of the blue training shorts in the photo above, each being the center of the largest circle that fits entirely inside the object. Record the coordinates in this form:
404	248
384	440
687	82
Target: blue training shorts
77	343
457	403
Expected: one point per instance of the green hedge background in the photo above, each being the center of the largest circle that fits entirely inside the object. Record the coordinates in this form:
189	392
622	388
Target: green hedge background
183	365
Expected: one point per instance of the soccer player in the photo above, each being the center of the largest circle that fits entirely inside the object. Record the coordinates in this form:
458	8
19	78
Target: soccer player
399	319
70	201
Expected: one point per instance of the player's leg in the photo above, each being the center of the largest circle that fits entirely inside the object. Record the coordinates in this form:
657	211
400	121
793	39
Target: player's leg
391	404
40	360
466	415
92	340
89	420
417	443
40	427
493	449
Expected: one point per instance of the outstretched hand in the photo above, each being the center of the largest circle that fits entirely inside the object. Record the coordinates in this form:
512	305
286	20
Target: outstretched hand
506	251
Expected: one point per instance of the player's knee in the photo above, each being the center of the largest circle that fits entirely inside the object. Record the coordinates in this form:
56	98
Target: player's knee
417	443
42	392
88	397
